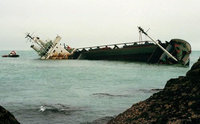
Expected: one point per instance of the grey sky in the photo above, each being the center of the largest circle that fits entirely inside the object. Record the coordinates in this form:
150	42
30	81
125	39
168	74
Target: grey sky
94	22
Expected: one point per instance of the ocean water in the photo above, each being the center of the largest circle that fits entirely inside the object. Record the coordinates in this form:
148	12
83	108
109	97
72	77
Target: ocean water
77	91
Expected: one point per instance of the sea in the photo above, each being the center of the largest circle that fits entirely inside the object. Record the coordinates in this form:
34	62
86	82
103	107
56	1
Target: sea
77	91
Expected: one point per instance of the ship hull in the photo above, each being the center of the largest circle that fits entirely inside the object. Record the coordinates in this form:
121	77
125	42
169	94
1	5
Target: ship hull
137	53
10	56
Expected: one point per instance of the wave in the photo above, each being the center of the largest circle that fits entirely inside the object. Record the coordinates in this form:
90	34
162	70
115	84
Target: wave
150	90
58	108
109	95
48	109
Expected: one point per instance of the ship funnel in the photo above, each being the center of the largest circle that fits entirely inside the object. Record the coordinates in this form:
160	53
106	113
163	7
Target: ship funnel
35	48
41	42
58	38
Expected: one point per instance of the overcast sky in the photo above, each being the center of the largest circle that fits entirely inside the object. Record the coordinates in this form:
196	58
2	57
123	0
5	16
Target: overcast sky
96	22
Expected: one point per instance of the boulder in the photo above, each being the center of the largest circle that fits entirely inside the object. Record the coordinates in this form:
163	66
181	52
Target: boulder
6	117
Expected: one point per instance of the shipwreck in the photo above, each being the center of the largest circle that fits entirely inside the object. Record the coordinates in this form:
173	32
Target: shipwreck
176	51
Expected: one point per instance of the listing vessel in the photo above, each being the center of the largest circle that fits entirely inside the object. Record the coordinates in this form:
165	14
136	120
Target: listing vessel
176	51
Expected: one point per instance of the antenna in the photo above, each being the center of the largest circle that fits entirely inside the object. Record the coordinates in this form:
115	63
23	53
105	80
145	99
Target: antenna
140	35
147	30
29	37
140	32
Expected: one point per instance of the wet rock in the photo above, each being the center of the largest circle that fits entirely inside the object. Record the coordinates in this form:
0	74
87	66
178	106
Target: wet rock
6	117
178	102
102	120
195	70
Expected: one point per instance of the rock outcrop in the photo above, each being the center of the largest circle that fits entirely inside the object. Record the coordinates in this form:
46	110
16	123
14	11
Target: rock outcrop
6	117
178	102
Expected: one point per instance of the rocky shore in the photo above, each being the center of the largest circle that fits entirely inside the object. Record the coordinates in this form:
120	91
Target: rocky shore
6	117
177	103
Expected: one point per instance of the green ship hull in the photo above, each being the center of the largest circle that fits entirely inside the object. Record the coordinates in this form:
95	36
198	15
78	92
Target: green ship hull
135	53
138	51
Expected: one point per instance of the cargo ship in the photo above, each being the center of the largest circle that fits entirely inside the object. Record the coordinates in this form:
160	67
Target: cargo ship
176	51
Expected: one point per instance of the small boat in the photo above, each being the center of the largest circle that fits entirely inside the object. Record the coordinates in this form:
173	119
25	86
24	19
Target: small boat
11	54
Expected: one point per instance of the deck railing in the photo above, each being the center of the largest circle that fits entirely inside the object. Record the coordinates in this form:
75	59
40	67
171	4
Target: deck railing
118	45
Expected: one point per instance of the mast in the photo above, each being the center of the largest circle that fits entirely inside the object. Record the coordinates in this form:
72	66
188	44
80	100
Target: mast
36	40
170	55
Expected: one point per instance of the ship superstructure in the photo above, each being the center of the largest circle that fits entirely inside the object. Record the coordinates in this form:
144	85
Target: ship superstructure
49	49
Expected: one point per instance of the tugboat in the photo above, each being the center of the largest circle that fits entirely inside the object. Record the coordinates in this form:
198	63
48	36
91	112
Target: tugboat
176	51
11	54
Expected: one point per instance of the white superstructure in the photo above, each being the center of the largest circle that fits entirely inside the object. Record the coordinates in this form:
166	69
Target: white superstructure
49	49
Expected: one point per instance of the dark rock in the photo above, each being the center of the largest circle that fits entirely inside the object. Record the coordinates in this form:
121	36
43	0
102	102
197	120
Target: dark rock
178	102
6	117
195	70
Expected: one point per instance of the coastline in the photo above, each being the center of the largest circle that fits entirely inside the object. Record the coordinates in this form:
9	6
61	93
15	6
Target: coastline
177	103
